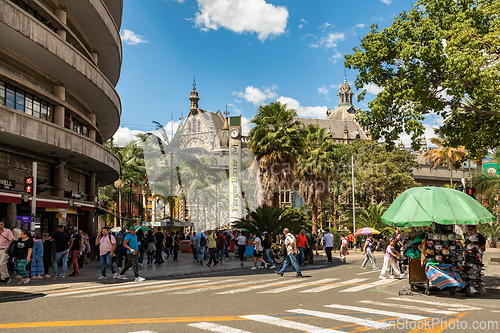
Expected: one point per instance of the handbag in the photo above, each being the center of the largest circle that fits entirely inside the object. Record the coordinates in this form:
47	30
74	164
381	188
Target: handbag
151	247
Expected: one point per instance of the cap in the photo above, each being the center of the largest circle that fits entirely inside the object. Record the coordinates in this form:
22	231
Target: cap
131	227
265	232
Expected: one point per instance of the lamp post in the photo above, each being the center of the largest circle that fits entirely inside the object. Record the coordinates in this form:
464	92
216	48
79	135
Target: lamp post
353	199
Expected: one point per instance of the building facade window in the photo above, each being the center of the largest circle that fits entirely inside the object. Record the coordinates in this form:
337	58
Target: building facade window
34	13
78	127
20	100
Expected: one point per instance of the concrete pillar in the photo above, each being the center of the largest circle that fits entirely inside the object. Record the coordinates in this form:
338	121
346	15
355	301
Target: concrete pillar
92	187
59	92
58	189
92	134
59	115
11	216
61	15
61	33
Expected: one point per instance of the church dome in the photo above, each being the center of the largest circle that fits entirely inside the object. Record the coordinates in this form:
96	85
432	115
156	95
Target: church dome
345	87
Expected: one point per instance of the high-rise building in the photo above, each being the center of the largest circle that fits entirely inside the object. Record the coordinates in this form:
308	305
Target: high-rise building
60	61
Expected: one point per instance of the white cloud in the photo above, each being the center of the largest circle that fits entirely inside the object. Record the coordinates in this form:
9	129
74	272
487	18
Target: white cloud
325	25
131	38
359	26
301	25
304	111
256	95
373	89
323	90
245	125
336	56
329	41
387	2
124	136
242	16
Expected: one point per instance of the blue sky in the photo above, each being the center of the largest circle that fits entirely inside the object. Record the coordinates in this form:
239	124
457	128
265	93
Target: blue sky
244	53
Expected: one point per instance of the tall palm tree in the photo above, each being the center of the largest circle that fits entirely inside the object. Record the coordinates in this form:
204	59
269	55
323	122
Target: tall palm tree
277	141
316	165
444	154
370	217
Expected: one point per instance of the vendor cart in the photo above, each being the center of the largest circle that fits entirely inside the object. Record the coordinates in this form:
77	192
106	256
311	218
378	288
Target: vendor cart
418	278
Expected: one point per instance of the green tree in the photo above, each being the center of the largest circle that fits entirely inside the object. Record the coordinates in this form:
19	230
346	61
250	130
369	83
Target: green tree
369	217
450	156
491	230
277	141
430	59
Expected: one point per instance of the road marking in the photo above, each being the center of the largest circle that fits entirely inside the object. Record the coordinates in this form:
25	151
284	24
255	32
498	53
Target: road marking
456	306
289	324
161	287
410	307
216	328
339	317
287	288
260	286
375	311
211	286
367	286
370	272
143	332
334	285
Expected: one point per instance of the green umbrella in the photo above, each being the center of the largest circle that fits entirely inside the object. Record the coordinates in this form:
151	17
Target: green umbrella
145	229
420	206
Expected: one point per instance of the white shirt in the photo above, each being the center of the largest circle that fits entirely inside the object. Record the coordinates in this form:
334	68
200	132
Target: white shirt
257	243
241	240
289	241
328	239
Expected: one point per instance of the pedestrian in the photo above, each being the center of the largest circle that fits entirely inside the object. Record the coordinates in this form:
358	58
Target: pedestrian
266	244
291	251
74	248
24	250
83	247
47	255
177	245
168	245
229	239
121	251
390	261
37	269
241	241
350	239
151	246
61	239
192	239
6	238
343	248
141	243
302	245
257	252
160	242
212	247
107	247
328	245
130	243
200	243
221	244
368	249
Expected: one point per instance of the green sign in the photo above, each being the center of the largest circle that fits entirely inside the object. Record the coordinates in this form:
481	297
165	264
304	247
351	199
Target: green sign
235	121
491	170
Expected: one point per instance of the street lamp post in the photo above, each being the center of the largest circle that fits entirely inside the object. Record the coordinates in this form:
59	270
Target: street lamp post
353	199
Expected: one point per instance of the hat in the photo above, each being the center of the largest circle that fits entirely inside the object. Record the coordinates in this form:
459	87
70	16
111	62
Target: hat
131	227
265	232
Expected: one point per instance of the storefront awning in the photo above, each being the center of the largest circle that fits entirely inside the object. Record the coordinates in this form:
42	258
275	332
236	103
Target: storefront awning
8	197
84	206
50	203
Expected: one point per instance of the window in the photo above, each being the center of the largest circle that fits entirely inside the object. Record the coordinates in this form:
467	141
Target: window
2	93
78	127
10	96
28	104
20	100
36	107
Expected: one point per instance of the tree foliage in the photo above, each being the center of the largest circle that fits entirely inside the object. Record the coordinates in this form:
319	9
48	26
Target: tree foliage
430	60
369	217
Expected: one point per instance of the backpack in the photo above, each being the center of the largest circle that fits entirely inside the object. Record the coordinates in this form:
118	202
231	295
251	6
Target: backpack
119	239
220	242
203	241
12	250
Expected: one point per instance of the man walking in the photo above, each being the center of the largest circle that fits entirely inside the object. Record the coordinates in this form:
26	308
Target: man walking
192	239
200	242
328	244
343	248
302	244
6	238
121	251
62	240
74	250
177	245
130	243
369	246
160	242
291	250
107	247
212	246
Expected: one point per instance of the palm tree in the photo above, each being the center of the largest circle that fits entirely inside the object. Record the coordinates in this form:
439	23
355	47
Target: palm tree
449	155
491	230
316	165
276	141
370	217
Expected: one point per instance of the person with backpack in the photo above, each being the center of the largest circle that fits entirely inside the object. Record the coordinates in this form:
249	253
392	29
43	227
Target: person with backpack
291	251
6	239
61	238
168	245
368	249
107	247
200	242
121	251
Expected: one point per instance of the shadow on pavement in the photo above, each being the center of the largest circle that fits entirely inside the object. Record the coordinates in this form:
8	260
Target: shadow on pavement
15	296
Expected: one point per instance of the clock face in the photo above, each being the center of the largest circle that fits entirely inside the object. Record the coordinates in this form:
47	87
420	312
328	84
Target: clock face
234	133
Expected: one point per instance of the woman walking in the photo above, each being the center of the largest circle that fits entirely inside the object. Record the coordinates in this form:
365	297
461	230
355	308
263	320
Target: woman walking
257	252
390	261
242	246
151	239
24	248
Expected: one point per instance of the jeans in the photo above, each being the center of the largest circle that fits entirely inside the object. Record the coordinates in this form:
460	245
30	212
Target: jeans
119	257
106	260
200	253
301	254
193	250
267	257
141	253
151	257
220	254
168	251
290	258
21	264
328	251
212	256
241	252
37	259
371	257
176	253
226	252
131	262
159	253
57	257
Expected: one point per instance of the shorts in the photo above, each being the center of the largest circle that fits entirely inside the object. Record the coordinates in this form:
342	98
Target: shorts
257	254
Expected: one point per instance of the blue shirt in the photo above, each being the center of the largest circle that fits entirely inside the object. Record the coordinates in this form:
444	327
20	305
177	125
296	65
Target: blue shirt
132	243
198	238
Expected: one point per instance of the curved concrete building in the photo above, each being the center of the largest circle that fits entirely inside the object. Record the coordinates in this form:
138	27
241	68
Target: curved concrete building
60	61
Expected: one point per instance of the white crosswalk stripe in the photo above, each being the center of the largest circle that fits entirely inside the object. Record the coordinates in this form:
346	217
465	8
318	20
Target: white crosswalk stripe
409	307
334	285
377	311
339	317
160	289
302	285
260	286
217	328
206	288
289	324
367	286
455	306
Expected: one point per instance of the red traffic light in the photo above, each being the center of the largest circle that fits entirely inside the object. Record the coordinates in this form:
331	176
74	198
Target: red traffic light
28	184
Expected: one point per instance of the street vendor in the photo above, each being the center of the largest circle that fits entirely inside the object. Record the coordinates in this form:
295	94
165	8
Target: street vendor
482	241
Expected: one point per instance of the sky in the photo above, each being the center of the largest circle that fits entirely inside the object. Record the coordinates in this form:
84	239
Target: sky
241	54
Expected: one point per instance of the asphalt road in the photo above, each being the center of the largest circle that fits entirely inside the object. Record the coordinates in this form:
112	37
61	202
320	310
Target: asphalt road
329	298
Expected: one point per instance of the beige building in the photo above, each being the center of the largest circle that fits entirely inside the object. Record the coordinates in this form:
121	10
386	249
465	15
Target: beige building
60	61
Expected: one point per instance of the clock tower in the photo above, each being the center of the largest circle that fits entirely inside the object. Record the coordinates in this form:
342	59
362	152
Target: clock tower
236	208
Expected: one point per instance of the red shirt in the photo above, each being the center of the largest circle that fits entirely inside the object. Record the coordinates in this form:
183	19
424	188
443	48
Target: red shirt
350	237
301	240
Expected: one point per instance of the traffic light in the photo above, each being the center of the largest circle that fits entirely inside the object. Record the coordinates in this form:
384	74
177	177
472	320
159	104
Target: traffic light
28	185
40	189
471	191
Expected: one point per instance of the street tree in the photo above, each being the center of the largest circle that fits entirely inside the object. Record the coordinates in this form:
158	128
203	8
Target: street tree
430	60
445	155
